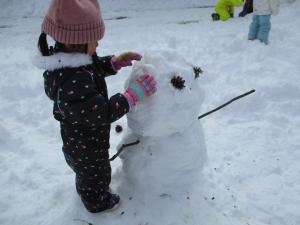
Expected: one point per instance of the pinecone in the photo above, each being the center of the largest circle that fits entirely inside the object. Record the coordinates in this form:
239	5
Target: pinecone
178	82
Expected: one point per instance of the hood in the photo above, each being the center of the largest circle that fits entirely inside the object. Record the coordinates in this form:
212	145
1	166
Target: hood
58	68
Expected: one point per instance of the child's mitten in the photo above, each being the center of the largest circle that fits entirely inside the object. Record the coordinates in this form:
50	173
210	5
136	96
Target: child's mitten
124	60
139	89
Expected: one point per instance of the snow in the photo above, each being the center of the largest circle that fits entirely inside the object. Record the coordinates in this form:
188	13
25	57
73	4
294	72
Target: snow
37	8
165	113
252	171
169	158
34	8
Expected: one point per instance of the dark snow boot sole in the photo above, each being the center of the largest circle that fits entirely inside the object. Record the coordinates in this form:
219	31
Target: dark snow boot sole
215	16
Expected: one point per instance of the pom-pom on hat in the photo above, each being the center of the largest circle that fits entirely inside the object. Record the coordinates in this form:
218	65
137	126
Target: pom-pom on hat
74	21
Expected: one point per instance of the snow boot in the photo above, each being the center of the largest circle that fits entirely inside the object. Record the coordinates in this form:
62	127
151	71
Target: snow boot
114	203
215	16
245	12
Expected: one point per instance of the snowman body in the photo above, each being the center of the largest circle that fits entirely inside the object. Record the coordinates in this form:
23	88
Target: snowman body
164	169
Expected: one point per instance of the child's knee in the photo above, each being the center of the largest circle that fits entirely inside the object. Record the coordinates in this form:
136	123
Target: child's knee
265	25
264	22
224	15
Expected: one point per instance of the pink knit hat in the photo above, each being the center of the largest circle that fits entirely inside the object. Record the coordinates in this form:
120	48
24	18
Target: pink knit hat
74	21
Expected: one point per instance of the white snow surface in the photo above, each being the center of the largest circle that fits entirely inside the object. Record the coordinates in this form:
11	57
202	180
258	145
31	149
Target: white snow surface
33	8
251	176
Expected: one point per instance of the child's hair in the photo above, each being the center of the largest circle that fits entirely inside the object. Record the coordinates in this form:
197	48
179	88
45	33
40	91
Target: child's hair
58	47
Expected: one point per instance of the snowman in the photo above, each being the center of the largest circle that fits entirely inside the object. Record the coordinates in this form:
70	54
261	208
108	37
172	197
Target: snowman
164	169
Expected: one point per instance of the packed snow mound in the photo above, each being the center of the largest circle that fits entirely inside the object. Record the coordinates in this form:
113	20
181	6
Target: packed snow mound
164	169
173	108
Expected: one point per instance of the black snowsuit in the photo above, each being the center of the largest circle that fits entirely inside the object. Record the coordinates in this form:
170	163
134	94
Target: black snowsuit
85	112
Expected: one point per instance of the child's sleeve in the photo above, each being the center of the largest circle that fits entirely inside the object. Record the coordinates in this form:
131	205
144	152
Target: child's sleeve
105	65
274	5
80	102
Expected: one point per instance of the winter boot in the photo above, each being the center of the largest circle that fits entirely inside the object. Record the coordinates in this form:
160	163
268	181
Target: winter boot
245	12
114	203
215	16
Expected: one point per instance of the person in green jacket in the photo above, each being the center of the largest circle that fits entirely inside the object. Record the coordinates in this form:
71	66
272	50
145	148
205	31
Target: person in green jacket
225	9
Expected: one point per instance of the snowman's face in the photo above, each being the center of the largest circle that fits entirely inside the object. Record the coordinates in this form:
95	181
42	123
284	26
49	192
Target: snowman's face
175	105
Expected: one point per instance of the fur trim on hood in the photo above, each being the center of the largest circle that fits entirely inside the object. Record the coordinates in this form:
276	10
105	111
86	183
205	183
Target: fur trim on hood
62	60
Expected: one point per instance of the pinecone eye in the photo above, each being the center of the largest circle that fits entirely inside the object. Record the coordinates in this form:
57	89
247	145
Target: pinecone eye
197	71
178	82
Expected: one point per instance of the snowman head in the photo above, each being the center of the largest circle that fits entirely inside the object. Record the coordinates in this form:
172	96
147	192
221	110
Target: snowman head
175	105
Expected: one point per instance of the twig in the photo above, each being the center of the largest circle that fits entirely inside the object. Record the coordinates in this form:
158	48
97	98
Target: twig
200	117
227	103
121	149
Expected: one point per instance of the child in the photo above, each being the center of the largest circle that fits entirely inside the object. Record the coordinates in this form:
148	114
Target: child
261	25
247	9
225	9
74	80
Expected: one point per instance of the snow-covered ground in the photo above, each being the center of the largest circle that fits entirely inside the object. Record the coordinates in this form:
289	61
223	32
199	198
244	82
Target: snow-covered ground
33	8
252	173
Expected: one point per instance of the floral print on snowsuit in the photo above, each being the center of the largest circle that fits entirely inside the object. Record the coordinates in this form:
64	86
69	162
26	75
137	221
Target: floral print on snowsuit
81	105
